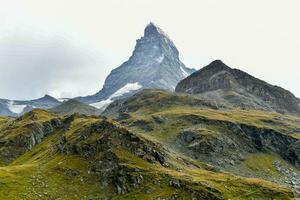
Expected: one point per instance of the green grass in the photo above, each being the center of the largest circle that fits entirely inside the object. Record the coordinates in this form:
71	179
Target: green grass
284	124
262	165
219	184
42	173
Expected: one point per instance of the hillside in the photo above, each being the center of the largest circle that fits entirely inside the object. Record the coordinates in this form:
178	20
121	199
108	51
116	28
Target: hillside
248	143
73	106
81	157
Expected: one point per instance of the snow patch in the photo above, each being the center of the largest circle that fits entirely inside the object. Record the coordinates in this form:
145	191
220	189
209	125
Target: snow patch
160	58
15	108
102	104
63	99
184	73
124	90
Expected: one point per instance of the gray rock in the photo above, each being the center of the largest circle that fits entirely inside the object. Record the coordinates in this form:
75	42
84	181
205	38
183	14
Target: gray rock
154	64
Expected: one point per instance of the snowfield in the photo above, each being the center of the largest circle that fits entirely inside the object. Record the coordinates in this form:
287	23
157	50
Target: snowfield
102	104
184	73
129	87
15	108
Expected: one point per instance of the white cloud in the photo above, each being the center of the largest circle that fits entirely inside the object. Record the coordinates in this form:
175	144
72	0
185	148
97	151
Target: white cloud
31	67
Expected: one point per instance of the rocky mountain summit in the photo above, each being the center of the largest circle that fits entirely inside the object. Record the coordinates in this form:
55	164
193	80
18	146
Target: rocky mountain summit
234	87
154	63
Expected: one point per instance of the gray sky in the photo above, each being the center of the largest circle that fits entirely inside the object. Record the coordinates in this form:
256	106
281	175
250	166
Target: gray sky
67	48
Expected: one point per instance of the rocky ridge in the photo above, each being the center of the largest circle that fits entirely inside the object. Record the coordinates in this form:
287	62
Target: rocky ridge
220	83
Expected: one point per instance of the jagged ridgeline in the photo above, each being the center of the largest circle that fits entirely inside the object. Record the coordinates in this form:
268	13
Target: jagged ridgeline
45	156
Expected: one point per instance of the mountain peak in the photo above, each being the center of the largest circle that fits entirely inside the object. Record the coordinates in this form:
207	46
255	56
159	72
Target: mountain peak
216	66
154	63
217	62
48	97
152	30
219	82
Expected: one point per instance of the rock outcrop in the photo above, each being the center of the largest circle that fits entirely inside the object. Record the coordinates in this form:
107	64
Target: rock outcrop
24	133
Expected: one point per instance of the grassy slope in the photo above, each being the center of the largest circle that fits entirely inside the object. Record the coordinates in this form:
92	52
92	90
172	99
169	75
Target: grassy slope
72	106
45	174
256	165
170	106
152	104
38	175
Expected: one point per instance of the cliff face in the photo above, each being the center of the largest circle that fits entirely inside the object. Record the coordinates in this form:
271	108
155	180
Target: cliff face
219	82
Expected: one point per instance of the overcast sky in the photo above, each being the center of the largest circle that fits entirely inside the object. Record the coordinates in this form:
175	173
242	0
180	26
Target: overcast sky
67	48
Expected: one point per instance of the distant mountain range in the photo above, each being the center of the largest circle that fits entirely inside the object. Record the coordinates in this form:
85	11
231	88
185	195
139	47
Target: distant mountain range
17	107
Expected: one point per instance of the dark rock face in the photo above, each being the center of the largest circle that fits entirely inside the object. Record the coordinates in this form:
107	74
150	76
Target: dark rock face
107	138
154	64
36	133
33	134
110	136
219	82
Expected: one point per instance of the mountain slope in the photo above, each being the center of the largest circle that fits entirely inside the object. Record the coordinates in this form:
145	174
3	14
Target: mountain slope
73	106
81	157
4	109
221	83
154	64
